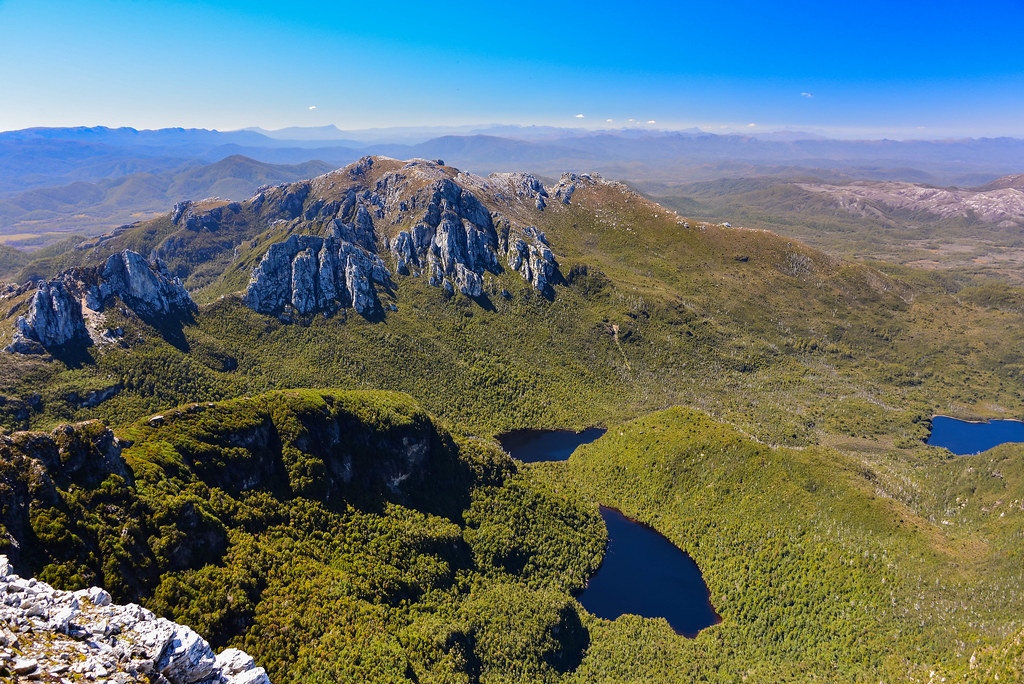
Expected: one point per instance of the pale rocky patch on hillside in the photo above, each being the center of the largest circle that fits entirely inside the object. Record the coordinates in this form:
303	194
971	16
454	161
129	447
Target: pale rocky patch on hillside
1003	206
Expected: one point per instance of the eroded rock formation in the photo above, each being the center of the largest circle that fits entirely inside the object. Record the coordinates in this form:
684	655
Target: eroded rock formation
446	234
312	273
58	311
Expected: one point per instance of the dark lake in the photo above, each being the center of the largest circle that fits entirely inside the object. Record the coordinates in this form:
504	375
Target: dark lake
530	446
962	437
644	574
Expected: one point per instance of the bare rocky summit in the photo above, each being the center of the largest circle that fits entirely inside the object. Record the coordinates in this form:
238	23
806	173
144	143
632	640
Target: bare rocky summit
342	240
423	217
62	636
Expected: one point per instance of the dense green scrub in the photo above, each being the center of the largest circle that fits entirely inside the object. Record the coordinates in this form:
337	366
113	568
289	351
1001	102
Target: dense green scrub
820	567
344	536
335	536
850	553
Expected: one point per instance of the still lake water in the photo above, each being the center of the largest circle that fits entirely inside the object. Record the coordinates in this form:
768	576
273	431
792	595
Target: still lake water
962	437
531	446
642	573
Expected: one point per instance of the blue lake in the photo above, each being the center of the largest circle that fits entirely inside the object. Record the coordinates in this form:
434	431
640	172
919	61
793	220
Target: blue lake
962	437
642	573
531	446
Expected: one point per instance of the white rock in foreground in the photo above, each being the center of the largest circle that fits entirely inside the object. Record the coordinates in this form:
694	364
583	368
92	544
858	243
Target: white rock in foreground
55	635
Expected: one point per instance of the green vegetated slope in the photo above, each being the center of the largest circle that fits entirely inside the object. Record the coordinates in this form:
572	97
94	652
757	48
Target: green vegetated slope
775	342
821	568
791	344
895	222
336	536
11	261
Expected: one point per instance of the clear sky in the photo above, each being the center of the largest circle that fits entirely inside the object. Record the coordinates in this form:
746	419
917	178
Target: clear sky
869	69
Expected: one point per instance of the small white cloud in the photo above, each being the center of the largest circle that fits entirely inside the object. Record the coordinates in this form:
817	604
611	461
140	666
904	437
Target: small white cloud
579	116
632	121
806	95
312	107
652	121
751	125
609	120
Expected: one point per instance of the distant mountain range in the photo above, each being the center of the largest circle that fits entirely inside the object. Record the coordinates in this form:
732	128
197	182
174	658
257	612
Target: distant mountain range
39	216
86	179
47	156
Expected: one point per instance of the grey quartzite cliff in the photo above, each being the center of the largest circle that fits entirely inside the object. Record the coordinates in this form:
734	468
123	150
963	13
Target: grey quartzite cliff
452	238
59	309
61	636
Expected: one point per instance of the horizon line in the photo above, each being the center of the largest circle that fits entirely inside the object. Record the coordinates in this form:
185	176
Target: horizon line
723	130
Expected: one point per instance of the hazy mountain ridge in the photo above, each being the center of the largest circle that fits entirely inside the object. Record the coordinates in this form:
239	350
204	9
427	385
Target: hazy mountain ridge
85	179
649	153
1003	206
86	207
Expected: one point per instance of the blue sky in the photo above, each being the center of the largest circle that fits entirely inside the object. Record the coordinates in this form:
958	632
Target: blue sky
867	69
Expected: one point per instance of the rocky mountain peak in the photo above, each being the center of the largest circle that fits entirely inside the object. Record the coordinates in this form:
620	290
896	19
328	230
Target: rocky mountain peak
421	216
65	310
51	635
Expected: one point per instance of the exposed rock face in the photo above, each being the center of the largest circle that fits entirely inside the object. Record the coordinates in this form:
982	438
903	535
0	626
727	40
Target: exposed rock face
49	634
455	239
521	185
312	273
54	317
450	227
145	286
56	314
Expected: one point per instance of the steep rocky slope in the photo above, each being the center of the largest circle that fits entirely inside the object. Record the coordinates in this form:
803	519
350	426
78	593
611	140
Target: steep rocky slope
69	308
351	232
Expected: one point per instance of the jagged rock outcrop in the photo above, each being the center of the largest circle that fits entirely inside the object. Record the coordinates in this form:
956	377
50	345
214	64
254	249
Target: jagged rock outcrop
52	635
59	309
145	286
429	219
312	273
534	261
455	240
521	186
54	318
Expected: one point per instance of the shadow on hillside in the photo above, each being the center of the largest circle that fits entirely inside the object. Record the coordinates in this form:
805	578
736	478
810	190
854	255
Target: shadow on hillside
73	354
485	302
172	329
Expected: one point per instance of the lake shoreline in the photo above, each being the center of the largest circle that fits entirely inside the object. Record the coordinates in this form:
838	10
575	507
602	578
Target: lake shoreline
686	559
